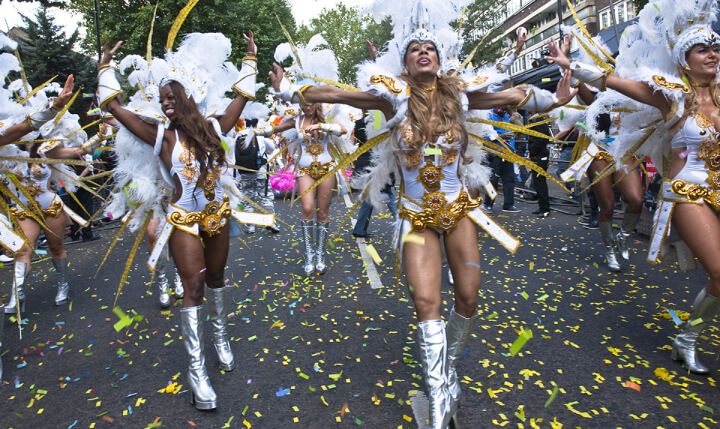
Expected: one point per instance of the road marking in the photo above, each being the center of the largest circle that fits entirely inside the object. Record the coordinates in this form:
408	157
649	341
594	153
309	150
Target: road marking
370	268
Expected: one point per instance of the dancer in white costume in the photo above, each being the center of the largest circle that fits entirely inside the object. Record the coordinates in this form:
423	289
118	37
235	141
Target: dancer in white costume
430	152
666	76
189	86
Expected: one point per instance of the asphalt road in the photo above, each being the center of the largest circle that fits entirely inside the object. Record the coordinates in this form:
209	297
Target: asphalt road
331	351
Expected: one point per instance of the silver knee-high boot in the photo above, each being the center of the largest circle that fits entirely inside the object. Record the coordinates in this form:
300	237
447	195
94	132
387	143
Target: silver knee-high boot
162	283
322	236
192	321
628	226
17	294
307	229
63	287
179	291
457	331
610	246
705	308
433	349
218	302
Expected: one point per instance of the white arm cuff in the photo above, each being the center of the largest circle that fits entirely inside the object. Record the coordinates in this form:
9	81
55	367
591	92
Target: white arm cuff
589	74
108	86
245	86
537	100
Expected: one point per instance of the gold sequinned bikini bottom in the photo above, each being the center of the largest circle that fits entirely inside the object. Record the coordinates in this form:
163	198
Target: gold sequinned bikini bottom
316	170
211	219
52	211
437	213
697	193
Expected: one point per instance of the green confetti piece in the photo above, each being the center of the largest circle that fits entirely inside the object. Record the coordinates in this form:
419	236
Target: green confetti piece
377	119
524	295
552	397
524	337
695	322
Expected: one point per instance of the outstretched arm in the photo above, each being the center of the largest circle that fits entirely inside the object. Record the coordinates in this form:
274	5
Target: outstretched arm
638	91
526	97
35	120
244	88
109	90
331	94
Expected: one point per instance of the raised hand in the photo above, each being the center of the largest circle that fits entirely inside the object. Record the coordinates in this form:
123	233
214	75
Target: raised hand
108	53
556	54
372	50
564	93
276	76
62	99
250	37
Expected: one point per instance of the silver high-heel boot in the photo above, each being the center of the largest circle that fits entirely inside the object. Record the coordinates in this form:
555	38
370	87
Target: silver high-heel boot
322	236
307	227
63	287
630	221
17	294
192	321
610	246
218	302
433	349
683	346
179	291
457	331
163	284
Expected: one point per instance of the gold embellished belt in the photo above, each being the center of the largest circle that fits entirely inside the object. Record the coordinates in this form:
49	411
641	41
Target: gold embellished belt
212	218
52	211
603	156
695	193
437	213
316	170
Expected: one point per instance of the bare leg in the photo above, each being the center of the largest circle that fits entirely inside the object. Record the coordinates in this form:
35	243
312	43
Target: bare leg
606	200
423	269
464	258
55	235
189	256
324	198
308	200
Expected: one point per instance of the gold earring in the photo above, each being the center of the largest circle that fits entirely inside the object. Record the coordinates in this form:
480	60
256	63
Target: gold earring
404	71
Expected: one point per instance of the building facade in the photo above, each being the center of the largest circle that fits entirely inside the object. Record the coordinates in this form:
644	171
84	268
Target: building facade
540	18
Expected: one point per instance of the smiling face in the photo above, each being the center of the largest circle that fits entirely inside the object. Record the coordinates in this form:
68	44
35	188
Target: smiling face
167	101
421	58
309	109
703	62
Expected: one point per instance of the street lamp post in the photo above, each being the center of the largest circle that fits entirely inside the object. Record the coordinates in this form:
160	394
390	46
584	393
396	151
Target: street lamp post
97	29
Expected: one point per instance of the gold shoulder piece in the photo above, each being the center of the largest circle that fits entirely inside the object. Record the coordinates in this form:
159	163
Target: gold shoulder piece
479	80
660	80
387	81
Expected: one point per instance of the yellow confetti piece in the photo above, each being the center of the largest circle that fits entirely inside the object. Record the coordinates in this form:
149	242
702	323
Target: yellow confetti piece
373	253
413	238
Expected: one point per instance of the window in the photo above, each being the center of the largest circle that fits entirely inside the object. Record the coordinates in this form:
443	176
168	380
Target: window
605	19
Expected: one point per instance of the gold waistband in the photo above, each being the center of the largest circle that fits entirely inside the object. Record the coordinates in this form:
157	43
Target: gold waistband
437	213
52	211
695	193
212	218
603	156
316	170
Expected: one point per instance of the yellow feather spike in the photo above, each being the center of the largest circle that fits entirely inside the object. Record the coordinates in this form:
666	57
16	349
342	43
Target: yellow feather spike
599	61
65	108
49	161
510	156
131	257
628	154
586	33
347	161
330	82
23	76
123	225
75	198
36	90
148	51
293	47
515	128
175	28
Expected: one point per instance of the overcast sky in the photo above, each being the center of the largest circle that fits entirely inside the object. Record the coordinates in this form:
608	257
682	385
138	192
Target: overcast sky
303	10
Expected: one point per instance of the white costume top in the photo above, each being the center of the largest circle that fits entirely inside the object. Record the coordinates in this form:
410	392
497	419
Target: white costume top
307	146
696	130
35	178
187	169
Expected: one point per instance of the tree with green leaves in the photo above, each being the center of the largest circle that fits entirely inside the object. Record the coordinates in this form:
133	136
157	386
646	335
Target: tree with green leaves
346	32
481	28
47	52
132	21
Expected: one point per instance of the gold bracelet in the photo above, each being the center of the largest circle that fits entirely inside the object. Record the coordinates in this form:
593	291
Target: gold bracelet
250	57
301	93
102	67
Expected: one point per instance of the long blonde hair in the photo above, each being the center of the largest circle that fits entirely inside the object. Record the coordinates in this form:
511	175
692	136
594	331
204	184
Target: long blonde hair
448	112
